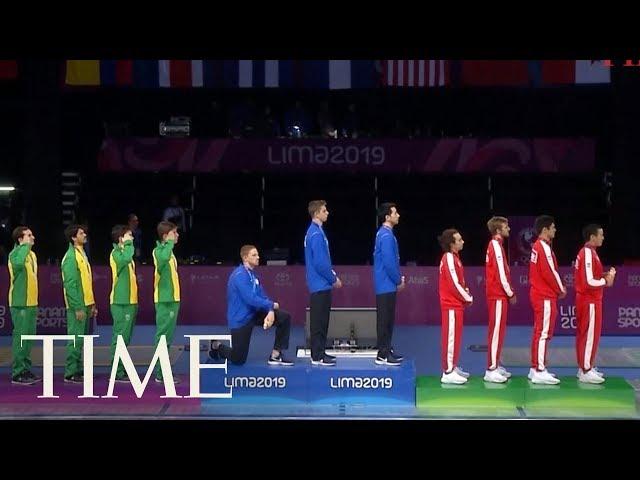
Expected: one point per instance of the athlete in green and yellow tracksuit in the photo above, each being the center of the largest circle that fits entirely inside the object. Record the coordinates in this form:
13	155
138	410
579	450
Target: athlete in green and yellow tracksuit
166	286
23	303
77	283
124	290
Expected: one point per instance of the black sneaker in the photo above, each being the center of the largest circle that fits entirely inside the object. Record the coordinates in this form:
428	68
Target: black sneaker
325	361
214	353
388	360
77	378
279	360
22	379
32	376
396	355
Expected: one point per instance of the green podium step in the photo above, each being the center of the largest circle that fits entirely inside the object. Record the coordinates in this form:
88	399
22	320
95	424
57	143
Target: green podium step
520	398
571	398
475	398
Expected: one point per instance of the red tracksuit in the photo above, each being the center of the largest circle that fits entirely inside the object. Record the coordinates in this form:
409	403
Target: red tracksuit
589	289
453	299
499	290
545	288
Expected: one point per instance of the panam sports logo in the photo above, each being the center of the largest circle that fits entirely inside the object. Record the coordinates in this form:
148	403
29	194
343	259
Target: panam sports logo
629	317
633	280
52	317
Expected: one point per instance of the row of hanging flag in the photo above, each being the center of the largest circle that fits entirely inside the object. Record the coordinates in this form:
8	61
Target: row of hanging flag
333	74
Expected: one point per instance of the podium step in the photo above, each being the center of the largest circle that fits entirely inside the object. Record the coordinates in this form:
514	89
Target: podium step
475	398
352	382
520	398
571	398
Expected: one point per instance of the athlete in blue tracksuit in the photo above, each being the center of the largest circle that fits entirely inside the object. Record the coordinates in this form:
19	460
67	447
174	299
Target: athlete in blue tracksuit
247	306
387	281
320	280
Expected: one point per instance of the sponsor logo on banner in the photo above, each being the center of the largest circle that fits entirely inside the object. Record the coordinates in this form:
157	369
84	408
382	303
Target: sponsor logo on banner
568	317
629	317
322	155
479	279
633	280
98	278
52	317
350	279
283	279
418	280
203	277
362	382
55	278
524	241
524	279
567	279
255	382
3	312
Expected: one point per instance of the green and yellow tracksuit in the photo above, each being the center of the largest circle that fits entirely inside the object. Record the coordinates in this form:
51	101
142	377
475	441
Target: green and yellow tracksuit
23	304
124	296
166	293
77	284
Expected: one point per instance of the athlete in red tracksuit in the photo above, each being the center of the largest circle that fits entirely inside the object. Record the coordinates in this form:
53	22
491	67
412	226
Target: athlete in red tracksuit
454	296
590	283
499	290
546	288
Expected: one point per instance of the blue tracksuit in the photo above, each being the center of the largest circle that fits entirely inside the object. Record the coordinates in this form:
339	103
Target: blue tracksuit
386	261
245	297
317	259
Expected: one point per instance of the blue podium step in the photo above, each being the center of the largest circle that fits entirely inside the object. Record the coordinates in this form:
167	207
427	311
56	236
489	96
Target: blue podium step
359	381
352	382
256	383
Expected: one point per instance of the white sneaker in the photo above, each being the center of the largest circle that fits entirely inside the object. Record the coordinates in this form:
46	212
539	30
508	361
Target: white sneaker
453	377
590	377
461	372
532	371
544	378
494	376
504	372
594	370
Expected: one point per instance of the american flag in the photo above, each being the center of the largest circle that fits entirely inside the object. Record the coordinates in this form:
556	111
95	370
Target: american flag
415	73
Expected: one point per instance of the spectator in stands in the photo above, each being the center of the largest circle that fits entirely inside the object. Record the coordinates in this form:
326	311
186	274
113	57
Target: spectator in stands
297	122
136	231
242	119
351	122
218	126
268	126
174	213
325	121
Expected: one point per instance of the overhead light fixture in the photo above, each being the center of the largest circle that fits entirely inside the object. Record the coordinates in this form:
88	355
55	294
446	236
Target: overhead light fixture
5	188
